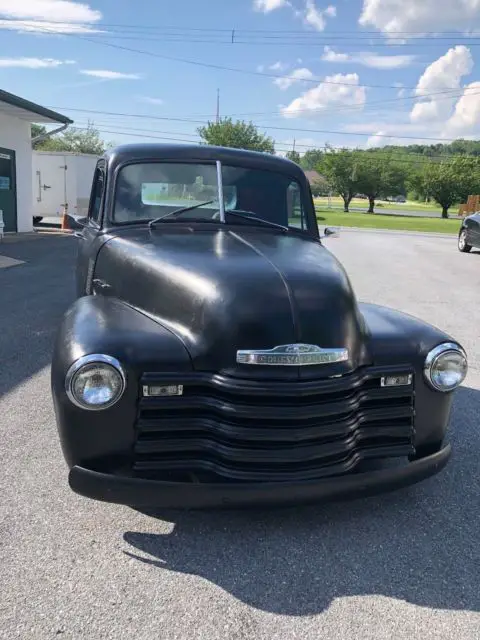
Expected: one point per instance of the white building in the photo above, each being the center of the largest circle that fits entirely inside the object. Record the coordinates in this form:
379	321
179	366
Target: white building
16	188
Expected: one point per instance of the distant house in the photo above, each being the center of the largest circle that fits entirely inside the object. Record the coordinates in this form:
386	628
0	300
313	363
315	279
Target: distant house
318	183
16	188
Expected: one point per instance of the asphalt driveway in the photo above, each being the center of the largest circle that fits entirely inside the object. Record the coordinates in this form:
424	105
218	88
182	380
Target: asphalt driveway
404	565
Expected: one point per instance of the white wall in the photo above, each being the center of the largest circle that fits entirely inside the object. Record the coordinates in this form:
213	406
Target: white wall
15	135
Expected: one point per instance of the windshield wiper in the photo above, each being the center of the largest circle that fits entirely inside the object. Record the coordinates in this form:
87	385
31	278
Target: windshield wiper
181	210
246	215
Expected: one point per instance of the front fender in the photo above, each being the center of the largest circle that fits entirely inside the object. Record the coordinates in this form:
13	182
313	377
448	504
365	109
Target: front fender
399	338
96	324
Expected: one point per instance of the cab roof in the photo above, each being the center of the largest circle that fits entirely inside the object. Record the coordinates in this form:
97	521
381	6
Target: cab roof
188	152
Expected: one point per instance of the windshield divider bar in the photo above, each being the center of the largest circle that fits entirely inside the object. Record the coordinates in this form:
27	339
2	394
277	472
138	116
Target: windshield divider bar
220	192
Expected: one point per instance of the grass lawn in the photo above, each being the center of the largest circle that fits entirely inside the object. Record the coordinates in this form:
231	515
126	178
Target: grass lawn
358	203
332	218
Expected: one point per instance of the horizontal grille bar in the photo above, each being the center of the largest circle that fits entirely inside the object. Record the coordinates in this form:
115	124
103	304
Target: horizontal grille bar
266	388
244	430
289	432
342	464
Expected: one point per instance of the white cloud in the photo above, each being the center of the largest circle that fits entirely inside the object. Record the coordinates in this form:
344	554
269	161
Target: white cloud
317	18
392	16
343	90
110	75
466	118
48	16
310	14
371	60
276	66
33	63
385	62
388	128
268	5
329	55
441	76
378	140
149	100
296	76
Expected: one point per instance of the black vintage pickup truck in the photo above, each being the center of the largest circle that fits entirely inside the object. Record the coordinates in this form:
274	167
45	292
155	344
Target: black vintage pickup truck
216	354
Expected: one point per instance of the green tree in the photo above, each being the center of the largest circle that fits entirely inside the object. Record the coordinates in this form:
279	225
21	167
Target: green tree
379	176
340	168
319	187
239	135
450	181
311	159
37	130
293	155
74	140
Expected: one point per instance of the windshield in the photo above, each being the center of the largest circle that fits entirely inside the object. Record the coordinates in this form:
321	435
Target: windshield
149	191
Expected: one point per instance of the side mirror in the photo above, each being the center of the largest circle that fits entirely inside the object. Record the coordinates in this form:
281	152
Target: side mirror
78	222
331	232
77	225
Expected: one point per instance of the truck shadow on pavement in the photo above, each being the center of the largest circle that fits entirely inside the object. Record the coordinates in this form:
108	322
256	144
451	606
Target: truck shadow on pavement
419	545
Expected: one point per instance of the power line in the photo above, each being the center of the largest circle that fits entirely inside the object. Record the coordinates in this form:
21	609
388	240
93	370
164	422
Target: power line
416	158
273	127
450	93
227	29
227	39
208	65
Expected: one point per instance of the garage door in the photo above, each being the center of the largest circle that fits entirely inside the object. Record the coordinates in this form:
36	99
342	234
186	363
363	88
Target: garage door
8	191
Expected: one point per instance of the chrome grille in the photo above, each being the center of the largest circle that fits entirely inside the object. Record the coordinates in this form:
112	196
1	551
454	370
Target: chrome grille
227	429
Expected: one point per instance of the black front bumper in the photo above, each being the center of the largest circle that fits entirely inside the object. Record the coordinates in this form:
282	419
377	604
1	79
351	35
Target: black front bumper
138	492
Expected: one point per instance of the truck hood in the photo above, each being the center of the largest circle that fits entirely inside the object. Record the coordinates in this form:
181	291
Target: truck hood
220	291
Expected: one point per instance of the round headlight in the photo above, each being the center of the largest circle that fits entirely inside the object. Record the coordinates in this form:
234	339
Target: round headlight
446	367
95	382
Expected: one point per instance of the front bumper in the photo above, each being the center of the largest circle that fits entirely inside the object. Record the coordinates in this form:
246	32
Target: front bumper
138	492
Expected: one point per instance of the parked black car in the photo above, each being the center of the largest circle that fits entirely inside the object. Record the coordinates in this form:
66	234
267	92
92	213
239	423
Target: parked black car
469	234
217	354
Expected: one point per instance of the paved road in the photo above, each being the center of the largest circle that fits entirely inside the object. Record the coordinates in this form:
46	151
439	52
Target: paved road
398	566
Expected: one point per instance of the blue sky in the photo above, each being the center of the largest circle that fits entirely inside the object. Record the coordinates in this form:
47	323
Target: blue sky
314	71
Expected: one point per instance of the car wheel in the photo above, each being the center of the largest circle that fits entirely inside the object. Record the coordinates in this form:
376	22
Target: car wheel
463	246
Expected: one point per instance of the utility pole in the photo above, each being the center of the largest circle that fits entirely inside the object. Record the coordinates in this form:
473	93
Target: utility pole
293	145
218	106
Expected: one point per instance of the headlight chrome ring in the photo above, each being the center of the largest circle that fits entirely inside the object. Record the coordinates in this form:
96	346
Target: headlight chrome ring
110	366
433	367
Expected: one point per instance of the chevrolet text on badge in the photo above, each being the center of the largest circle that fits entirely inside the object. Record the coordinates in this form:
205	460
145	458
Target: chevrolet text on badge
293	355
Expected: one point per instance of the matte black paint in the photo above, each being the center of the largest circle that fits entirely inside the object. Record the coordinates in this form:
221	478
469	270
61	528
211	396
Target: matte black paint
183	298
224	290
148	493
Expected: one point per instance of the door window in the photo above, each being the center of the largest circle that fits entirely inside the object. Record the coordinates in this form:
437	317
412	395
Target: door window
6	172
95	209
296	211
